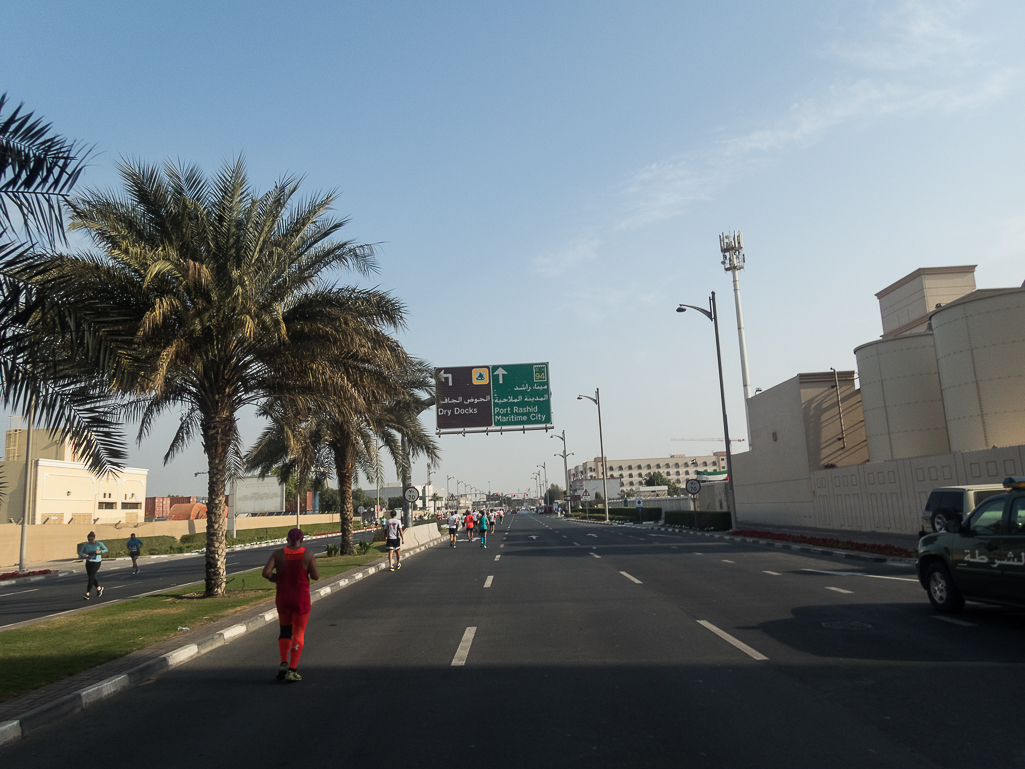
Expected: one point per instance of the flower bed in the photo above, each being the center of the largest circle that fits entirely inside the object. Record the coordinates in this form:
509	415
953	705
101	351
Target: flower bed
17	574
891	551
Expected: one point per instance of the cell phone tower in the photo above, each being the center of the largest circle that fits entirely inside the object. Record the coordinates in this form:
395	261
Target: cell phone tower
732	248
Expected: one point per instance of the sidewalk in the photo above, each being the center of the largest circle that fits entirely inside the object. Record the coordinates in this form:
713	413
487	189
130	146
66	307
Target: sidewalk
909	541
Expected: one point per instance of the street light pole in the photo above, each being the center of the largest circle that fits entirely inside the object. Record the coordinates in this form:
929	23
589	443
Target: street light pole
565	470
713	315
448	494
596	400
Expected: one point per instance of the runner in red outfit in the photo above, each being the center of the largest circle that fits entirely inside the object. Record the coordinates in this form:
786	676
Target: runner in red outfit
291	569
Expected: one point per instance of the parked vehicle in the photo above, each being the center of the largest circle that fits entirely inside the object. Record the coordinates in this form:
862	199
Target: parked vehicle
950	503
981	558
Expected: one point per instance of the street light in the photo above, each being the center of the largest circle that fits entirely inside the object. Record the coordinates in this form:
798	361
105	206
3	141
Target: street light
565	470
448	494
596	400
547	488
713	316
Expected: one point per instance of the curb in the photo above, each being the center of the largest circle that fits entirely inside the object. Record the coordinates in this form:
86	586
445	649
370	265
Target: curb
22	726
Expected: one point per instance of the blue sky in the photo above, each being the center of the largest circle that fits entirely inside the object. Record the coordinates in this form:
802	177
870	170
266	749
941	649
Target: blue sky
547	181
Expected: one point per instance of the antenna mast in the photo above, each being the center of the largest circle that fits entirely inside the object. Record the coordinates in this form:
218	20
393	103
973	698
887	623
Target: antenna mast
732	248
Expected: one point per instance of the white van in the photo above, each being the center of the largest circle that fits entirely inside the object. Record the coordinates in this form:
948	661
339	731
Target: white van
952	503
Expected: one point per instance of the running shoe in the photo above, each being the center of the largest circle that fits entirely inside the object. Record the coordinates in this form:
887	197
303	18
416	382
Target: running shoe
87	597
282	671
99	591
292	676
398	566
391	568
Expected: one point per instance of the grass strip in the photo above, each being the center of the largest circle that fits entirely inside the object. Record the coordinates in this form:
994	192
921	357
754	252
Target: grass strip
56	649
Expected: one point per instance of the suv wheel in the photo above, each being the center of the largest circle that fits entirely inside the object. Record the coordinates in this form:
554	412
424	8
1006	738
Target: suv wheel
943	593
939	521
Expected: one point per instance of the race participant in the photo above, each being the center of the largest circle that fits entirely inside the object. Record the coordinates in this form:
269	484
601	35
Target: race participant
134	548
93	552
453	528
482	527
291	568
469	523
394	538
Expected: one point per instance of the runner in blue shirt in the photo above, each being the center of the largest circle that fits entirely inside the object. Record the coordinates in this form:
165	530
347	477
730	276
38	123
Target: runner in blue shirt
134	549
482	527
93	552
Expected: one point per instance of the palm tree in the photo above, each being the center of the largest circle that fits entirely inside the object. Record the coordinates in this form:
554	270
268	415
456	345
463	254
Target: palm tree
381	410
44	343
219	294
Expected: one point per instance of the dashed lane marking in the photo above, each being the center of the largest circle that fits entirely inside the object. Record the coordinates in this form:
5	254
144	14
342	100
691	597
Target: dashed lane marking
755	655
19	592
840	590
596	555
724	560
464	647
487	582
952	621
497	557
632	579
773	573
577	544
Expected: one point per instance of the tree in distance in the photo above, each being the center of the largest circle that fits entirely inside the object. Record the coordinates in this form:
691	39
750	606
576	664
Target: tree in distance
219	297
656	478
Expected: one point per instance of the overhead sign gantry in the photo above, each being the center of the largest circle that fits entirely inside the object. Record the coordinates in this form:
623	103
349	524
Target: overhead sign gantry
493	399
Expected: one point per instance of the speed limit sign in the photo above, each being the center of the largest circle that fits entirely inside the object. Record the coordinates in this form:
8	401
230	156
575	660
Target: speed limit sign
411	494
693	486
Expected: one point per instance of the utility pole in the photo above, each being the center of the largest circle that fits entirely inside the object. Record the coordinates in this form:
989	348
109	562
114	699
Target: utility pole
565	470
732	248
30	488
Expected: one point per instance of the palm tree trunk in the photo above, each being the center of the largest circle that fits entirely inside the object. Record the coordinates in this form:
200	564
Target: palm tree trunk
216	444
345	469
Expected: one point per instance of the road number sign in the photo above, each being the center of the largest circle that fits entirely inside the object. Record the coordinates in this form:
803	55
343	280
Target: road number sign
411	493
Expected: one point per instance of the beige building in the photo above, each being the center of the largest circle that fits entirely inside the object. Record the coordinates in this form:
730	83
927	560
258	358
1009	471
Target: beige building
64	490
631	472
939	404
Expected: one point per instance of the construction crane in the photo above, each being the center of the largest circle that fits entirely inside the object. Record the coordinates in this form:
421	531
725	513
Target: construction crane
708	440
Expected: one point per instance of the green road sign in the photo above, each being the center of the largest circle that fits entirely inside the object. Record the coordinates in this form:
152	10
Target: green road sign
520	395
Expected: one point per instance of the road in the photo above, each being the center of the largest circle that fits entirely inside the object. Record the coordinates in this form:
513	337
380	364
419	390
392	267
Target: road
586	645
19	603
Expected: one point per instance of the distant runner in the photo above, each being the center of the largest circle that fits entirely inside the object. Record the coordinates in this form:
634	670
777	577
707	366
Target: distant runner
453	528
134	548
291	570
469	526
482	527
394	539
93	553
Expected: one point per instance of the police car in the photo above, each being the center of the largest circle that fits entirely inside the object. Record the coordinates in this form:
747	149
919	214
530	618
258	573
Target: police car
981	558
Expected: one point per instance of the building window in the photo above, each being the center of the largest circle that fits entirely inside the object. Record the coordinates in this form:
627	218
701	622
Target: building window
630	475
131	505
676	464
658	467
677	472
704	464
108	505
649	467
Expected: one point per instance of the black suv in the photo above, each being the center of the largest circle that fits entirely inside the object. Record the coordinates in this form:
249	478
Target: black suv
981	558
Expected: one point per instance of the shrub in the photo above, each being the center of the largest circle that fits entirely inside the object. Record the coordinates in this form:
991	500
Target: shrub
362	548
704	521
332	550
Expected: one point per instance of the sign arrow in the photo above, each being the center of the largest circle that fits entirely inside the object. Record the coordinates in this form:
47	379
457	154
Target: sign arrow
500	372
443	375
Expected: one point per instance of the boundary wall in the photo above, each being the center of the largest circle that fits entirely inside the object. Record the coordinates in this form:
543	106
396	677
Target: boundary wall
884	496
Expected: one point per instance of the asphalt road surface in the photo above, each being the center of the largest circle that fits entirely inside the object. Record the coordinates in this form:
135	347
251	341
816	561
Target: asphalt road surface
59	595
567	644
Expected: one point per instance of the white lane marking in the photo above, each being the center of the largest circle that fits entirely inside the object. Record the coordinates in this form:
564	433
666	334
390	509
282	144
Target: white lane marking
724	560
840	590
592	535
596	555
116	587
564	536
953	621
773	573
19	592
577	544
464	647
632	579
733	641
497	557
487	582
697	553
858	574
501	545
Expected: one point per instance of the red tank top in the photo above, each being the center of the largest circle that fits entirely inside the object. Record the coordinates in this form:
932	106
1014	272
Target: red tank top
293	594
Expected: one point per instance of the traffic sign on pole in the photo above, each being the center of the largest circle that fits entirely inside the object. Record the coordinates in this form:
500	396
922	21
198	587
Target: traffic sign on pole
493	398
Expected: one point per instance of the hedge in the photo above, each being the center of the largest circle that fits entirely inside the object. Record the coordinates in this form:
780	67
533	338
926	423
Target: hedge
623	514
710	521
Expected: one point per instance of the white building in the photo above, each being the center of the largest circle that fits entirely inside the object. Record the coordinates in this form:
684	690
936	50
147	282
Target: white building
631	472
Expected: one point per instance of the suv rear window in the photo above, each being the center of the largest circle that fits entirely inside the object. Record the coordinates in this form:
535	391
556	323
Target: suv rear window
982	495
951	501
